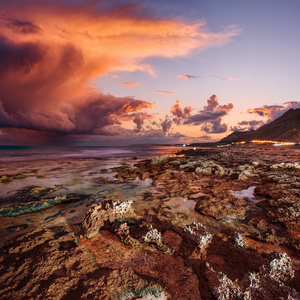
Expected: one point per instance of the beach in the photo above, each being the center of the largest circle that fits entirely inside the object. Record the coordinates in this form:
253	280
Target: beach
150	223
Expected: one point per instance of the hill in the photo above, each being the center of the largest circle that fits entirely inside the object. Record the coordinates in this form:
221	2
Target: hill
284	129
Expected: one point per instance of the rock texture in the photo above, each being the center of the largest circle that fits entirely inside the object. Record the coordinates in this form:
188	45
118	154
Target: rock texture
184	235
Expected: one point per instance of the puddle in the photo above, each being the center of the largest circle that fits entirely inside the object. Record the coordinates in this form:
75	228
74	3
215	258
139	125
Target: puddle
180	205
248	196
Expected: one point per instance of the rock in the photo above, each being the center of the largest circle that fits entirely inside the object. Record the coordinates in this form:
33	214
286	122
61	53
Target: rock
198	233
238	240
245	171
281	268
223	205
172	239
105	212
159	160
9	178
289	166
245	167
178	280
254	284
197	195
154	236
183	237
244	175
210	168
190	164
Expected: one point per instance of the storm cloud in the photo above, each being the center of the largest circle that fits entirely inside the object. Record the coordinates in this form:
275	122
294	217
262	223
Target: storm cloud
51	53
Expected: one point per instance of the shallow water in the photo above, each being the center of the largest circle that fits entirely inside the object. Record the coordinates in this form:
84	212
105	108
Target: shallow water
11	154
248	196
69	173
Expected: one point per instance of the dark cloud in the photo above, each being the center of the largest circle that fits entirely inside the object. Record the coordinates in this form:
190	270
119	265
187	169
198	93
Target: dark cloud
166	125
90	117
23	27
273	112
211	116
139	121
214	126
205	137
27	137
187	77
19	57
248	125
204	116
5	119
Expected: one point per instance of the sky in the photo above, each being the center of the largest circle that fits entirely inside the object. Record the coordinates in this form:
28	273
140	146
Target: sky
113	73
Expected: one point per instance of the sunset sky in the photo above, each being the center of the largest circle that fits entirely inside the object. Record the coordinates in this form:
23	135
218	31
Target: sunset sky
129	72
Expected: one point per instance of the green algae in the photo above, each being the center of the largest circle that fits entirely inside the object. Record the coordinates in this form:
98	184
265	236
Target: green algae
9	178
23	208
52	217
143	291
28	194
159	160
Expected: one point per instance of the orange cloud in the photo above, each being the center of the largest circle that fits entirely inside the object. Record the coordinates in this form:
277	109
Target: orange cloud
186	77
51	51
164	92
179	112
130	84
274	111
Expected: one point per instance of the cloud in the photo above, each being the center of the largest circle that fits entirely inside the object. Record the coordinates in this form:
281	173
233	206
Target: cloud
214	126
228	78
248	125
166	124
90	117
164	92
19	26
273	112
27	137
187	77
180	113
137	118
130	84
204	116
51	52
209	118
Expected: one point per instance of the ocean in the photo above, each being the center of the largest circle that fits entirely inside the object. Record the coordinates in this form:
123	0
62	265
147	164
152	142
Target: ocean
30	153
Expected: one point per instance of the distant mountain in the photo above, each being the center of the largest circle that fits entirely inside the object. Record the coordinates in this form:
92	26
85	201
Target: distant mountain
284	129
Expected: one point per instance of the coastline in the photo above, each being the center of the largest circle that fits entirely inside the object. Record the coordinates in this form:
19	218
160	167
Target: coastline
153	225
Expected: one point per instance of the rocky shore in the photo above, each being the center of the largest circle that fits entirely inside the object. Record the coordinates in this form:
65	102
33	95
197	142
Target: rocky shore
199	224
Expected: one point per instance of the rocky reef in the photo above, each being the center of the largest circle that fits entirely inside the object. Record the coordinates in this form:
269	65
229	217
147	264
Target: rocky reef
198	224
